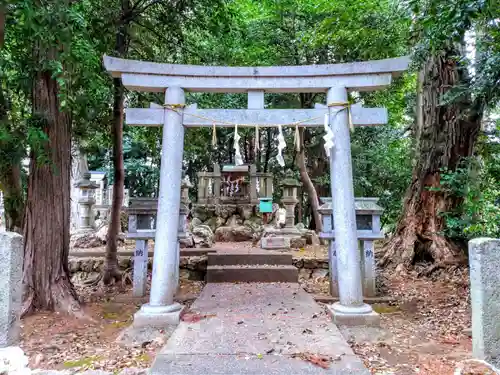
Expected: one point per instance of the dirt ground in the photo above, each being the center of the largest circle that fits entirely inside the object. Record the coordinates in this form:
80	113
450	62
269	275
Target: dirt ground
57	341
422	332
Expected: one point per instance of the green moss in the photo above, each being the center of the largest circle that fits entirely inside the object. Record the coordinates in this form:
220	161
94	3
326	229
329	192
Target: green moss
82	362
143	358
382	308
120	324
110	315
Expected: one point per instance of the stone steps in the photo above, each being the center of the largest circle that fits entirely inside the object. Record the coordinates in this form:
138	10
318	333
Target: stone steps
252	274
264	258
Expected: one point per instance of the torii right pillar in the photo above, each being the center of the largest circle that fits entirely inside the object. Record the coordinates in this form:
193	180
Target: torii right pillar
350	310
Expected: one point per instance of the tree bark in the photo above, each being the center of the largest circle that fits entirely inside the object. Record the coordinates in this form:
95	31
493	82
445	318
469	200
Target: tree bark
307	183
111	269
446	134
13	197
268	148
47	215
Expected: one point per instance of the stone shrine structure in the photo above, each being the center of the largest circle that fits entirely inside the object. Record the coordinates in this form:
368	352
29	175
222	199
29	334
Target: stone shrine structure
335	80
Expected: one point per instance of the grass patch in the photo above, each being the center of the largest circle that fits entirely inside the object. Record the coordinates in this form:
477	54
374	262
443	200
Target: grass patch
82	362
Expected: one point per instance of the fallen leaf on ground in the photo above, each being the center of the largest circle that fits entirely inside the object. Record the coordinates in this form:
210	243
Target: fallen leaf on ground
316	359
195	317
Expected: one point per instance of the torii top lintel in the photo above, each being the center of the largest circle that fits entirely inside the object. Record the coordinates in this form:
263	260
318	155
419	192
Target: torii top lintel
156	77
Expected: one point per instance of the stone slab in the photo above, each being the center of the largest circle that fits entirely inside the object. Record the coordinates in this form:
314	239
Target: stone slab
233	259
269	117
11	288
276	242
117	66
484	260
252	274
158	83
163	320
352	320
248	321
369	300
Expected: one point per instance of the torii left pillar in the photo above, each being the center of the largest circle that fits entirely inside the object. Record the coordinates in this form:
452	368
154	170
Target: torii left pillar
161	309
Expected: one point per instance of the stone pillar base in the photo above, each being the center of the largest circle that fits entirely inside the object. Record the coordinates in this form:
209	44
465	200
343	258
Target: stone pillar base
158	316
353	316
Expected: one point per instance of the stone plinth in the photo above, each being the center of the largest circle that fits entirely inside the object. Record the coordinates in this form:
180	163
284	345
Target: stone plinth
11	272
278	242
484	260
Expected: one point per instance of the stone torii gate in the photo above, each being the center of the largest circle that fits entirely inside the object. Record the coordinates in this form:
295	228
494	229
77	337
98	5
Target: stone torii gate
336	80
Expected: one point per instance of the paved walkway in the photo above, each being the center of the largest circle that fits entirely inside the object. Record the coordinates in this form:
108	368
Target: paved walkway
256	329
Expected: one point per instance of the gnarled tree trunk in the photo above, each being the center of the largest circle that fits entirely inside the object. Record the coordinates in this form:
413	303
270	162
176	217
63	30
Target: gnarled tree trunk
446	133
47	215
307	183
111	270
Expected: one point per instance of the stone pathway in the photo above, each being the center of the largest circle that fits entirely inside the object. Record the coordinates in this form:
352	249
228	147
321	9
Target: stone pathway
256	329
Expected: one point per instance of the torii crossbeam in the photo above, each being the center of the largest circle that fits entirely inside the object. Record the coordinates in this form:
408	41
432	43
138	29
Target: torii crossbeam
336	80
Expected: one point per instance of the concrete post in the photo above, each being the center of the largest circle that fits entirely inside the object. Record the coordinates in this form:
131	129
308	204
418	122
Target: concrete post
350	310
484	259
11	274
140	275
253	184
161	309
369	271
332	267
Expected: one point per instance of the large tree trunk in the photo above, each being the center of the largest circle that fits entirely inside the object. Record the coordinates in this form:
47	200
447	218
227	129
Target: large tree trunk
13	197
446	134
307	183
111	270
47	216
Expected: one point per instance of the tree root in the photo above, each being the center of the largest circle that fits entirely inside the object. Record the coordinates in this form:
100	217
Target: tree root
61	298
111	275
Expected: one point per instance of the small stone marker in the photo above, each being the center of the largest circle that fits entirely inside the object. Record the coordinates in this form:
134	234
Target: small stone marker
484	260
369	272
278	242
11	273
140	275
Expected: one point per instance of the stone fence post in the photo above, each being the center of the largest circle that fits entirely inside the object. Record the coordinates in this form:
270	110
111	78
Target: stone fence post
484	261
11	273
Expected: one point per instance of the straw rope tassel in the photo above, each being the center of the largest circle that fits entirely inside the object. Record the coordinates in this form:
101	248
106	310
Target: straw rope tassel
297	138
328	137
281	146
238	160
346	106
256	142
214	135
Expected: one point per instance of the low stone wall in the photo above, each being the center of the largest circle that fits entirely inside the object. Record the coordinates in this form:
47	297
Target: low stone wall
84	270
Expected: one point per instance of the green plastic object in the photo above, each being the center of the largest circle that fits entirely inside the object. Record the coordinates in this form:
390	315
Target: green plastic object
266	205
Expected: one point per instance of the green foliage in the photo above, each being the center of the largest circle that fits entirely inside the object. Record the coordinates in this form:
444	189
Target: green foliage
479	188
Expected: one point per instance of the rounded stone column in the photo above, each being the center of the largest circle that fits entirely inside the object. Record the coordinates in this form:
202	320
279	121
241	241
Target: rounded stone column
350	310
161	308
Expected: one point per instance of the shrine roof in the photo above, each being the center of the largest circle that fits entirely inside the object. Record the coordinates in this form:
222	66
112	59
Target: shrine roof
362	205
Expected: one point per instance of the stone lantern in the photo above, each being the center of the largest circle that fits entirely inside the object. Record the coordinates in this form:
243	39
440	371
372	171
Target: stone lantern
289	200
86	201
